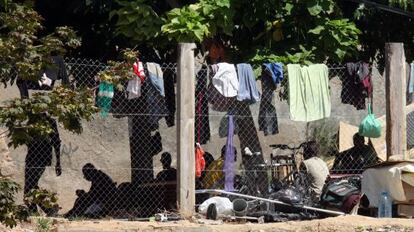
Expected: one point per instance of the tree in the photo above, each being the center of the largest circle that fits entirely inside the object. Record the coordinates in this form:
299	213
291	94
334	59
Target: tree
24	54
297	31
377	28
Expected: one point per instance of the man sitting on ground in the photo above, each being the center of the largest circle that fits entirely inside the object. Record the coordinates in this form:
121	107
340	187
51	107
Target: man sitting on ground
355	159
214	177
96	202
315	169
168	173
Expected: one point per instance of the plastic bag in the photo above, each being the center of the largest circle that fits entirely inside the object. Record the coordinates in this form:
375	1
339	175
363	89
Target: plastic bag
370	127
223	204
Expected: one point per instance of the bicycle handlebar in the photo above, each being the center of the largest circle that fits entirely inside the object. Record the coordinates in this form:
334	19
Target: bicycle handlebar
285	146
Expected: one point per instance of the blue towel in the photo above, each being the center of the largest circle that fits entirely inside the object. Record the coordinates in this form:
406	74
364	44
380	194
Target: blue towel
247	84
275	70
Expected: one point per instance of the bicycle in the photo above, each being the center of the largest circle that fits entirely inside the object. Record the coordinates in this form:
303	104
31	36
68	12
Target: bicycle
251	181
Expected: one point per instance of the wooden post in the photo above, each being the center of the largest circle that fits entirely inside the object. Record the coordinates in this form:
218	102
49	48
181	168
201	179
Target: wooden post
185	129
395	86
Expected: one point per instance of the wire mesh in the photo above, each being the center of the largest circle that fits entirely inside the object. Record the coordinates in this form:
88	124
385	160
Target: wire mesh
128	159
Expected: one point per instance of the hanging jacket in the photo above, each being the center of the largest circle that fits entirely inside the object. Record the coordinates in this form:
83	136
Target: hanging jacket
267	112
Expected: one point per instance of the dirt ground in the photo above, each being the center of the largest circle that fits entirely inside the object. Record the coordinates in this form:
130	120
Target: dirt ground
336	224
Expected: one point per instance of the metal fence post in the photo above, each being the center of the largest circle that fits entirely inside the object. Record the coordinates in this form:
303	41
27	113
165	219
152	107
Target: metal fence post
185	129
395	86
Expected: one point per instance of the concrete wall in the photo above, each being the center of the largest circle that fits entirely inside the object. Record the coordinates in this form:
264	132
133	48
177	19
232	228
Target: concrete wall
105	142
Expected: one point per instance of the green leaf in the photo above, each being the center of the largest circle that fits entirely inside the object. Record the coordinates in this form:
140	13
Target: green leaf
313	7
317	30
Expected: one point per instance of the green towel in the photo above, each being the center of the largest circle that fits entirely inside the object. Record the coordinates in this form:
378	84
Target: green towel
105	95
309	97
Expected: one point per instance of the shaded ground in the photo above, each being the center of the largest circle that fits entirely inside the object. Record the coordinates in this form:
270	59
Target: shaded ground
338	224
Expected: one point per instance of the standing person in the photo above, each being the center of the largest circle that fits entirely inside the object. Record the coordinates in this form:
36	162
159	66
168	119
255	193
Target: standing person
315	169
39	156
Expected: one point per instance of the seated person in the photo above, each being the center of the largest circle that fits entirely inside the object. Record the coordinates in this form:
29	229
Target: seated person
315	169
353	160
97	201
214	175
168	173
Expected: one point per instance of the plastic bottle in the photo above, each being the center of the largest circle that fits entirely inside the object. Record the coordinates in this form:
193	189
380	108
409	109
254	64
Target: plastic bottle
385	206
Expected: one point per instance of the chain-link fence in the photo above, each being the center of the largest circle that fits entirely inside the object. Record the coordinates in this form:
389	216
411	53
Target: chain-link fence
123	165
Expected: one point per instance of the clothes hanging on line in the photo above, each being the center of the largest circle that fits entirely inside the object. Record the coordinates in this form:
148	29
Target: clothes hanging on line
224	125
169	89
218	101
229	160
225	80
200	162
267	112
134	85
45	80
155	104
410	87
247	84
55	71
202	122
275	70
356	85
139	71
309	96
104	100
156	77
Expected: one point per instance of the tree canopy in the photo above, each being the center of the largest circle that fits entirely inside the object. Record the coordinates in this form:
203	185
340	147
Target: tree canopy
274	30
257	30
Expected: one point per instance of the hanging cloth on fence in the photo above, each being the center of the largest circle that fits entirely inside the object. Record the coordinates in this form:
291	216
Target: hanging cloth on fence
410	89
225	80
309	97
48	76
267	111
169	81
229	159
105	95
275	70
247	84
202	122
156	77
138	68
218	101
200	162
356	85
134	85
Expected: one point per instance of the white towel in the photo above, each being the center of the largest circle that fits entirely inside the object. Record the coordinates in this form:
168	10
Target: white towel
225	80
